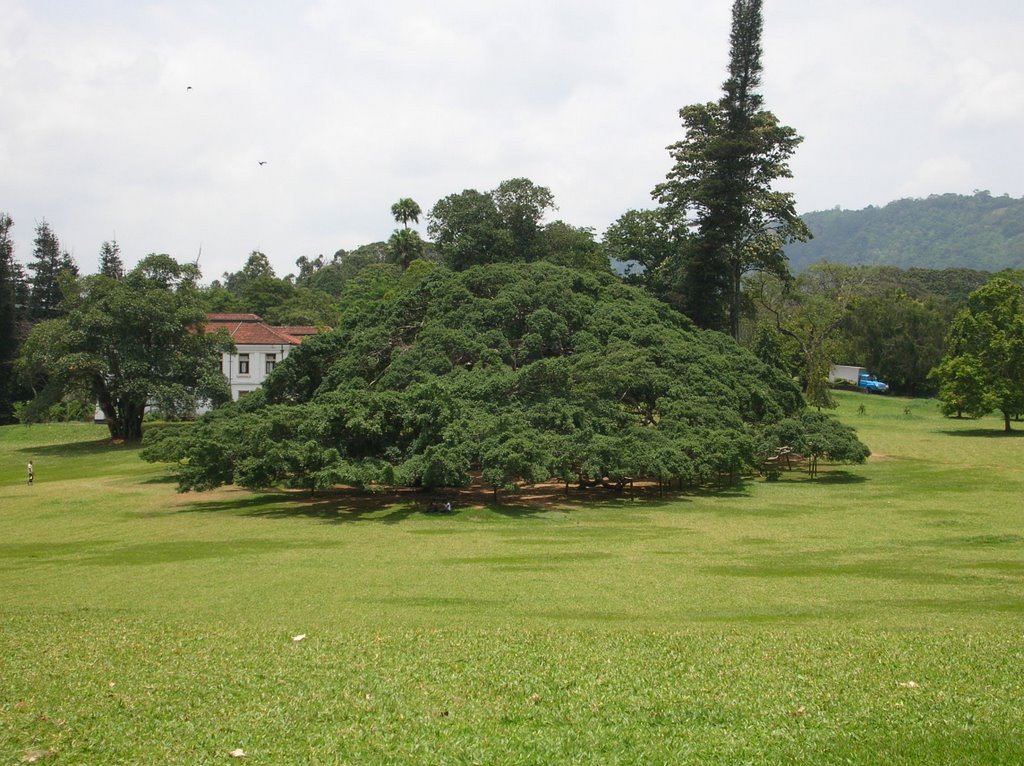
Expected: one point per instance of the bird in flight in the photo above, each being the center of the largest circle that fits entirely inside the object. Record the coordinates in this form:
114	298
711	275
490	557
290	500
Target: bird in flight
263	162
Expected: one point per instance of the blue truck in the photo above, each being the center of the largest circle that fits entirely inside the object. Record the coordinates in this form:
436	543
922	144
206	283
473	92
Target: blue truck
846	374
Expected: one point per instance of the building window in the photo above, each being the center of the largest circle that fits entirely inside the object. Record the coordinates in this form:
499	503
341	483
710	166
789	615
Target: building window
243	364
271	361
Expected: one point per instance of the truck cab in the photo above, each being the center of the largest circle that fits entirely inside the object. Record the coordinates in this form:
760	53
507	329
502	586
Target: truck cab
871	384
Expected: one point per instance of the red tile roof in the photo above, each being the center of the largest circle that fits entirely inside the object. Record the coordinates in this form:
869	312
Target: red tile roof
249	329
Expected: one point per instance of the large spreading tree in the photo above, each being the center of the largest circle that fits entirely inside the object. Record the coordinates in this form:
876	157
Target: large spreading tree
727	218
511	372
130	343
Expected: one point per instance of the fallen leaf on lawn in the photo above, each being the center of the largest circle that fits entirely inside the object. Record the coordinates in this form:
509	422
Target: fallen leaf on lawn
299	637
36	755
237	753
909	684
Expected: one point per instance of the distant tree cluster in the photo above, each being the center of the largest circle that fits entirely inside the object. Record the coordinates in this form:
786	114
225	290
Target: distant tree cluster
27	299
891	321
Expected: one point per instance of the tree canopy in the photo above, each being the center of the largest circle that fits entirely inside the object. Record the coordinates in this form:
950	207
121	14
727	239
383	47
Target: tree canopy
516	371
983	369
129	343
507	224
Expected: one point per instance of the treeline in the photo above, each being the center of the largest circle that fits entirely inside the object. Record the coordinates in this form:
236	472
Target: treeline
939	232
893	321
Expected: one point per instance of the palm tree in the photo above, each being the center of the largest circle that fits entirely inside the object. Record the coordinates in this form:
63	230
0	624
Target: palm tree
406	210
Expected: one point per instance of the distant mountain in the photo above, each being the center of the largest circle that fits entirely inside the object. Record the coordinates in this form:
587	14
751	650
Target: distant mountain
941	232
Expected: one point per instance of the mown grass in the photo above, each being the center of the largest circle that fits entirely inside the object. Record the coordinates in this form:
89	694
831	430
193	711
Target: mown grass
871	616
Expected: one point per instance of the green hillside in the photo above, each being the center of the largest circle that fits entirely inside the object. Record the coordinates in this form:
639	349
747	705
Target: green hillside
940	232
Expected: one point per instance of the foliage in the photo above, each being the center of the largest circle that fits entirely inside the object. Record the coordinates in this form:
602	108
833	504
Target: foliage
883	318
48	267
404	247
519	371
983	368
331	277
505	225
816	436
111	264
898	338
644	241
720	190
256	289
12	318
406	210
808	314
945	231
128	343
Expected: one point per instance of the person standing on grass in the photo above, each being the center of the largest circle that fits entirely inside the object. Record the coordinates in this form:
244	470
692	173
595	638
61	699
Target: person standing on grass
31	473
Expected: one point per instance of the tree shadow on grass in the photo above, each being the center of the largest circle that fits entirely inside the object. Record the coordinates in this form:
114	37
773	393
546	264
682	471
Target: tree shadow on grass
836	477
162	479
349	505
78	449
335	507
985	433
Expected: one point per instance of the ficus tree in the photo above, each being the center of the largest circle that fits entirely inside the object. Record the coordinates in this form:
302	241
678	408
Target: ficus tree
511	372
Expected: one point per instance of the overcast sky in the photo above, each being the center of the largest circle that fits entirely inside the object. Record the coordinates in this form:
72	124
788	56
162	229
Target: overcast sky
354	104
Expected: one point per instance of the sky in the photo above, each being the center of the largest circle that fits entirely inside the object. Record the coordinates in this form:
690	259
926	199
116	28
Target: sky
147	121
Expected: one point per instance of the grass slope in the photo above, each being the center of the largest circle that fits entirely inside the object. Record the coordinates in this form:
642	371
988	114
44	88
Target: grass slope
871	616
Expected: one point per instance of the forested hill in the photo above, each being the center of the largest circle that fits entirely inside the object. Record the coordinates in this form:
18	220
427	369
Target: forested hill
940	232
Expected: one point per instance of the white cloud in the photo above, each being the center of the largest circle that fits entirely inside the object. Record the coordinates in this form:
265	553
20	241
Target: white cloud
937	174
354	105
983	96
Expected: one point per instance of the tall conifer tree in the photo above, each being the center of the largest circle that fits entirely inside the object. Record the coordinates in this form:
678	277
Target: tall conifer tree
110	260
46	294
719	192
12	283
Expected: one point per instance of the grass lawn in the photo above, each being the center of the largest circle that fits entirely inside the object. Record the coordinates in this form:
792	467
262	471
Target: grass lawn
871	616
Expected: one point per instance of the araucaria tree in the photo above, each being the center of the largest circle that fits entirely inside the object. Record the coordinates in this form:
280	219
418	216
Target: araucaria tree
130	343
727	218
48	267
983	369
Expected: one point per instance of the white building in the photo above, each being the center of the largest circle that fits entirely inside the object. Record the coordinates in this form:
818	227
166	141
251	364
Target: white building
258	347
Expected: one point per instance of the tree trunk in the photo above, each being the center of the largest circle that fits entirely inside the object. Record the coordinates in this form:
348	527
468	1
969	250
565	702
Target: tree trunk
124	421
1006	421
735	293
